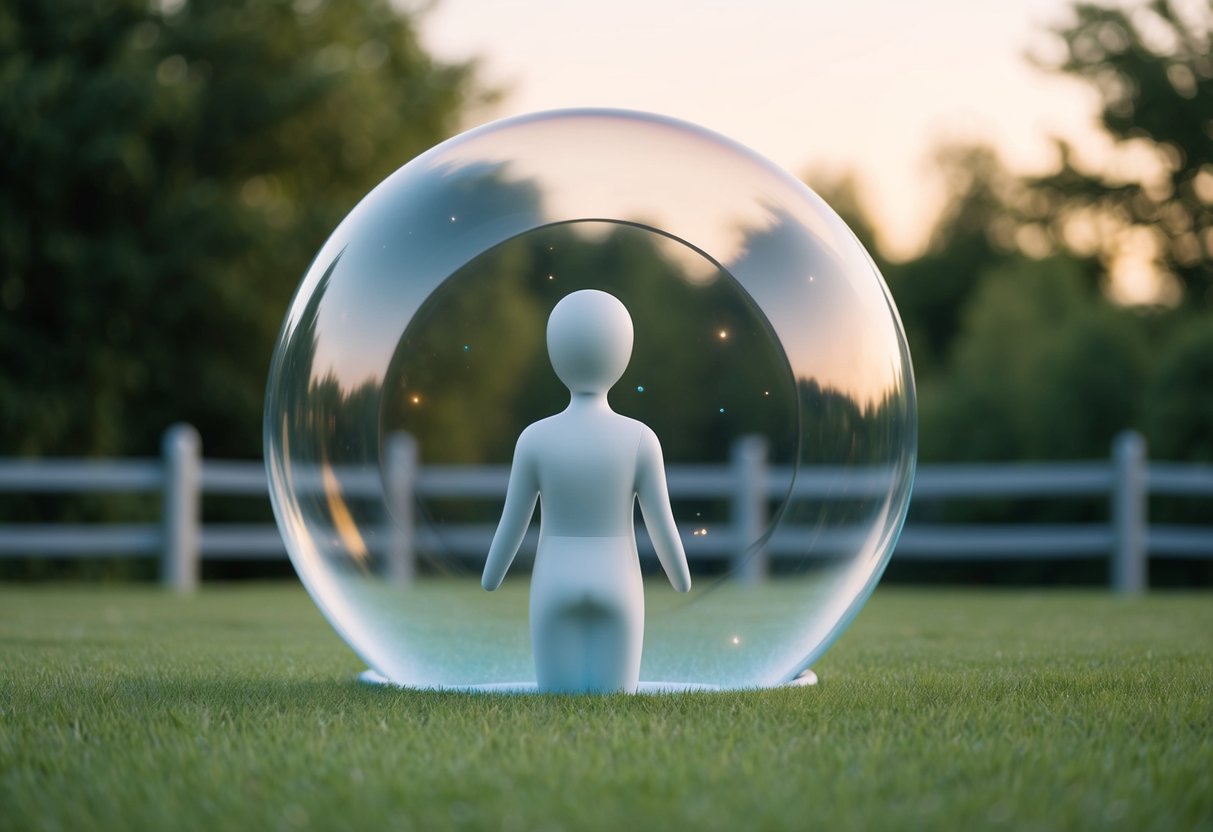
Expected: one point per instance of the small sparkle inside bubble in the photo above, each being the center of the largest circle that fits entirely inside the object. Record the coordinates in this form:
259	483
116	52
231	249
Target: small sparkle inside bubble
766	393
452	219
736	639
639	388
415	399
722	410
551	277
723	335
700	533
467	347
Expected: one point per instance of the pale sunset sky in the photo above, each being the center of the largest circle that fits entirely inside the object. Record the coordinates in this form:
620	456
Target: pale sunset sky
870	85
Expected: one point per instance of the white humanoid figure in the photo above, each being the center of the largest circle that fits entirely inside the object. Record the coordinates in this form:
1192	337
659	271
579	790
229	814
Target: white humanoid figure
588	465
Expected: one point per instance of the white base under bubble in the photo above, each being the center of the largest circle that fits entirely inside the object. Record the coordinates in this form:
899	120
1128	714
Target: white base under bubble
371	677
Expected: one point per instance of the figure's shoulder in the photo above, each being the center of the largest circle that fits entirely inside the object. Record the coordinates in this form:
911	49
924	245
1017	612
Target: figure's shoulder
649	456
628	423
633	430
647	443
542	432
535	430
648	437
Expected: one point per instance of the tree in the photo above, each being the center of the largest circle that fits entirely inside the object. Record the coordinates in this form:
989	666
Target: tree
1044	368
473	369
968	239
843	192
1179	399
1152	69
169	169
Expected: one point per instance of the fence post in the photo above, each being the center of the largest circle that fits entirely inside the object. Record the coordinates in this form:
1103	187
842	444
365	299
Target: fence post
749	509
182	453
1129	511
401	480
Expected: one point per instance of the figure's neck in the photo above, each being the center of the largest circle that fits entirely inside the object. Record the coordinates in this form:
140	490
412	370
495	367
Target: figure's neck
588	401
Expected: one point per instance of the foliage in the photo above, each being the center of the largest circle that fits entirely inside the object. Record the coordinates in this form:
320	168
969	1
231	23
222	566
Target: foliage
1151	68
842	191
1179	410
1012	367
236	709
1043	368
932	290
168	171
1016	357
473	370
1178	420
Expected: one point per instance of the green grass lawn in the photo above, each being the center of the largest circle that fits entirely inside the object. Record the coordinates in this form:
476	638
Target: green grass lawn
133	709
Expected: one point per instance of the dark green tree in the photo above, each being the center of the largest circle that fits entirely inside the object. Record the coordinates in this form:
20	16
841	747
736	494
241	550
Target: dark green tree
1179	398
473	371
1045	367
968	239
168	170
1152	69
843	192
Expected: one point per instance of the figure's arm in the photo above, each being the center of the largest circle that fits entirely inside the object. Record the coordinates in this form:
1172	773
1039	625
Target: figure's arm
658	516
520	498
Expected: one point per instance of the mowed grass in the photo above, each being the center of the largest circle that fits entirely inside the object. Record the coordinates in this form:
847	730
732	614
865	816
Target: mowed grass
236	709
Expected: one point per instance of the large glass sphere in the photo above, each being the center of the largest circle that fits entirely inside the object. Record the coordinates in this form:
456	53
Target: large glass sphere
769	360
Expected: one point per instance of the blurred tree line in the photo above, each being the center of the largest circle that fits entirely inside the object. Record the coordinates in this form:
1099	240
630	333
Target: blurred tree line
170	168
1020	350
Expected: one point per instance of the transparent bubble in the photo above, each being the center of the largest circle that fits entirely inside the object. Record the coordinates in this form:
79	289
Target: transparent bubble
768	359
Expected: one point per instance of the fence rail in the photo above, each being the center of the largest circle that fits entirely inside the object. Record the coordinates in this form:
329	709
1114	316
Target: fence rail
182	477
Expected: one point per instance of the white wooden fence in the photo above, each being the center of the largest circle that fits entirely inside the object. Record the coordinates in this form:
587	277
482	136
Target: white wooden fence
182	477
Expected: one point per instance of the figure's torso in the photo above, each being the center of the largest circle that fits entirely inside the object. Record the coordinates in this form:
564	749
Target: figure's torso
586	465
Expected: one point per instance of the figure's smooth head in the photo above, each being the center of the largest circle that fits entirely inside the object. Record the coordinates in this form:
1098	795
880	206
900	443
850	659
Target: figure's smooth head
589	340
